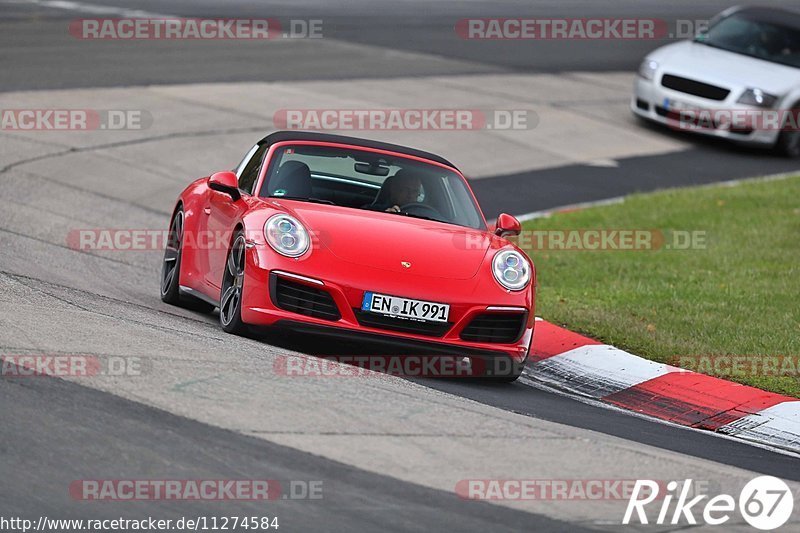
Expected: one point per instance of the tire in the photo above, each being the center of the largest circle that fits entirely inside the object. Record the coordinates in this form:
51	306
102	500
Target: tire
788	143
171	267
230	301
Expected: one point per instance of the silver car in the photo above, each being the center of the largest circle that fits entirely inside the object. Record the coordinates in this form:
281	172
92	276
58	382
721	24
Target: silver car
739	80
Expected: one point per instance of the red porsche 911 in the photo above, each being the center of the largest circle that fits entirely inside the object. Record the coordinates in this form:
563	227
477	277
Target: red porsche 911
355	239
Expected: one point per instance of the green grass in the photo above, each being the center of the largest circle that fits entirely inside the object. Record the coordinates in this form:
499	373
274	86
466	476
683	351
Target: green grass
738	296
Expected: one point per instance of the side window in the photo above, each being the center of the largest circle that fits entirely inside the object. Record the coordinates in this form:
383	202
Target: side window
248	171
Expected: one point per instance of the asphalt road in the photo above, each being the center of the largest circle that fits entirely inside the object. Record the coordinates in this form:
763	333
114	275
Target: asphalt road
522	398
395	39
198	418
52	441
38	52
709	162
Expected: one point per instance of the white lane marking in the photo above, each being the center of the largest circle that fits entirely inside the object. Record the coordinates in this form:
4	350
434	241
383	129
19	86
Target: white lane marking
529	379
603	163
582	205
779	425
597	370
96	9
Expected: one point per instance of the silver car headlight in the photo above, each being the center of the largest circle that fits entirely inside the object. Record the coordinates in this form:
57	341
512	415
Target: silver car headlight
758	98
511	270
647	69
286	235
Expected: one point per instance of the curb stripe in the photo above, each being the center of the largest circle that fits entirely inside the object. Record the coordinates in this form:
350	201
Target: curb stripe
580	365
778	425
550	340
696	400
599	370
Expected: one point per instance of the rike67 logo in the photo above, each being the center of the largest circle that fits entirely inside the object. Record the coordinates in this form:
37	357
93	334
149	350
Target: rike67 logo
766	503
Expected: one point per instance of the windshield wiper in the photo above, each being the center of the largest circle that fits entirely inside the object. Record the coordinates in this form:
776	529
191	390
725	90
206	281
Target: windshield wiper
304	199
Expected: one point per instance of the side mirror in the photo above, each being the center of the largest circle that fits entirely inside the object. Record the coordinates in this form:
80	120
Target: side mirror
507	226
225	182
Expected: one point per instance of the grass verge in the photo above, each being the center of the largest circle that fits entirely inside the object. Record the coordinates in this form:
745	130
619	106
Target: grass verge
729	305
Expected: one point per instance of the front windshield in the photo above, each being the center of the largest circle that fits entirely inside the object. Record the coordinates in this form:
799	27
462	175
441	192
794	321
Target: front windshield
745	34
359	179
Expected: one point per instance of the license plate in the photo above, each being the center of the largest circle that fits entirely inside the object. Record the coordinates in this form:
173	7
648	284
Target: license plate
406	308
676	105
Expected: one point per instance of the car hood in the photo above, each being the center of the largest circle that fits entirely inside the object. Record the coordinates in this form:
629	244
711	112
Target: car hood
726	69
387	241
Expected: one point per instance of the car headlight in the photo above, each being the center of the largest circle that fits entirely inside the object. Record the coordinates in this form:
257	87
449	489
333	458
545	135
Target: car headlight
647	69
511	270
286	235
758	98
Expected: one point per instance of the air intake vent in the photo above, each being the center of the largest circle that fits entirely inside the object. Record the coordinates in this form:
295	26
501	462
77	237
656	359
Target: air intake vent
697	88
495	327
302	299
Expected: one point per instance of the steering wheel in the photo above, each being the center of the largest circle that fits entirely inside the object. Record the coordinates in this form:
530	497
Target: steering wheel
424	210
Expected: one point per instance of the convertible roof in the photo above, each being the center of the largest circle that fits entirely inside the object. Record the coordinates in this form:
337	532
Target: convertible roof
281	136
